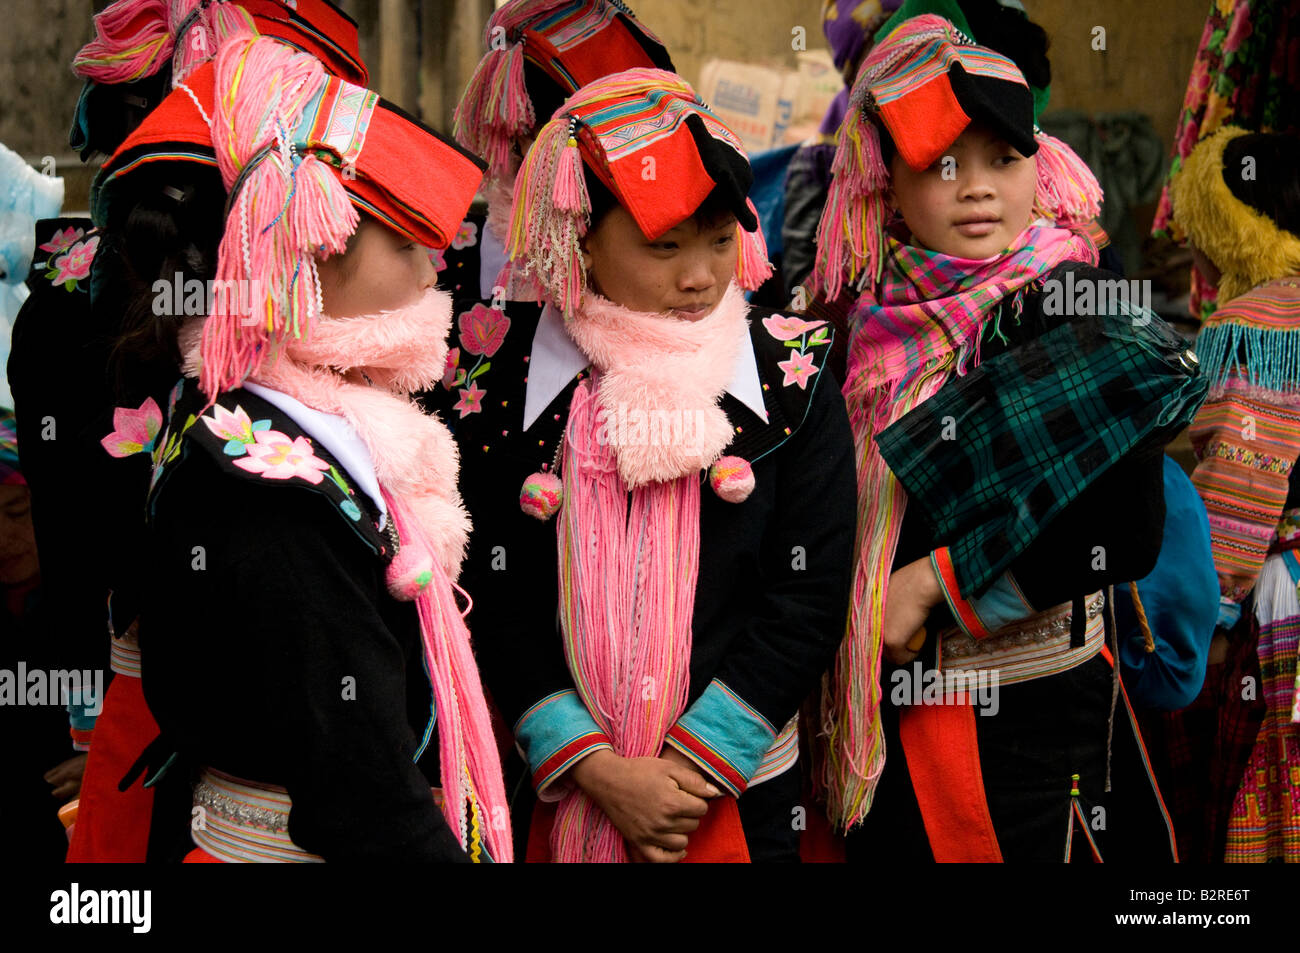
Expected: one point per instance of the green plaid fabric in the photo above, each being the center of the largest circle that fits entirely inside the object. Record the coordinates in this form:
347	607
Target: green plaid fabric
995	455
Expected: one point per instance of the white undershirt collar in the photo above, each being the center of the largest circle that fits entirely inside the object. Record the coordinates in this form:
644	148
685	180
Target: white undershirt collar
555	360
336	435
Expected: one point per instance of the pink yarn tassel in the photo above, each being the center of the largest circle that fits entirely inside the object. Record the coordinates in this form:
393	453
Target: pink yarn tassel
116	57
752	266
625	612
570	193
472	781
850	235
495	108
1067	190
280	215
544	239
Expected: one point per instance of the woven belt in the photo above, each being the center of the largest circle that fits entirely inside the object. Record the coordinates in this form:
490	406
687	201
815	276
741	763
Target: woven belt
245	823
1032	648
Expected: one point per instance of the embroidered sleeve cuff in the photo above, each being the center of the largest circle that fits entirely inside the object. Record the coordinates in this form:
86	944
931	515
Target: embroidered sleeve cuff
724	735
1000	606
555	734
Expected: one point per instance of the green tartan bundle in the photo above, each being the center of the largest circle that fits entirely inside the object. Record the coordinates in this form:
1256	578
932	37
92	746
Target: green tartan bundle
995	455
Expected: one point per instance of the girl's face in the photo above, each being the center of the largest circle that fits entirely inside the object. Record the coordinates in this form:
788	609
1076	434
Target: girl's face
973	201
683	273
380	271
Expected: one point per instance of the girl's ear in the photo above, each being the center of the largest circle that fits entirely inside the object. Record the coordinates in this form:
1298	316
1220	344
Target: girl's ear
586	255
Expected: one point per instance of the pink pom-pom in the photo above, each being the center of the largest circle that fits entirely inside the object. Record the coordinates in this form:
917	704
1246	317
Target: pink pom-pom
409	573
541	495
732	478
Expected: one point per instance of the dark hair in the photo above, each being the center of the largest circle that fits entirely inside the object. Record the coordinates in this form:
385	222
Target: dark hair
1009	32
1274	190
163	220
712	211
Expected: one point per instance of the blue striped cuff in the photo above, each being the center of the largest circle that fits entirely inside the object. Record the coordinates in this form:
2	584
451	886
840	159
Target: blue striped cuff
555	734
723	734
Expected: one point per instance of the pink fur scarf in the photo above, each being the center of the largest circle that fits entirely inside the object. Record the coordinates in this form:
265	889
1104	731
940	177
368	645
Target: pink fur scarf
660	382
416	460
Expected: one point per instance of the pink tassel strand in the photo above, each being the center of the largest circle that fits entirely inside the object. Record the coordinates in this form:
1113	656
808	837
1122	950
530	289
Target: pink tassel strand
1067	190
752	266
116	57
471	767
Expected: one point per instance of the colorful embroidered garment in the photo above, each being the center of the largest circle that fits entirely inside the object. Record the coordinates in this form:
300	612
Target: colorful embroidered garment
1265	821
10	473
1246	71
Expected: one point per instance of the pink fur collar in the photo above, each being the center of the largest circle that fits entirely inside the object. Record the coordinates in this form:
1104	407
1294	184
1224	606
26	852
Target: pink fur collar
659	380
364	369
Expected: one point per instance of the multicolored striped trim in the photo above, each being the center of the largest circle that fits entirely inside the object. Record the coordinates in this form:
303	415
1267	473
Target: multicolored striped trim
1034	648
241	822
1146	759
337	118
934	60
1251	458
1002	605
723	734
124	657
81	737
782	756
962	610
572	25
556	734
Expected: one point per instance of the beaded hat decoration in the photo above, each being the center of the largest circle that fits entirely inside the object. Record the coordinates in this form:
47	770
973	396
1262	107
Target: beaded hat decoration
620	127
924	84
564	44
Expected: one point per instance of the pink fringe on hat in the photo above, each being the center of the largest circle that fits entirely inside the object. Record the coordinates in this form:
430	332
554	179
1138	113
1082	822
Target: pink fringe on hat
1068	192
115	56
286	208
495	108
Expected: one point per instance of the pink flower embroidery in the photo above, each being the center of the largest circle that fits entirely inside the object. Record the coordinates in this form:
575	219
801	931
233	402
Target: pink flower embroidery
467	236
74	264
437	259
471	400
482	329
134	431
798	369
228	425
63	239
787	329
276	457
